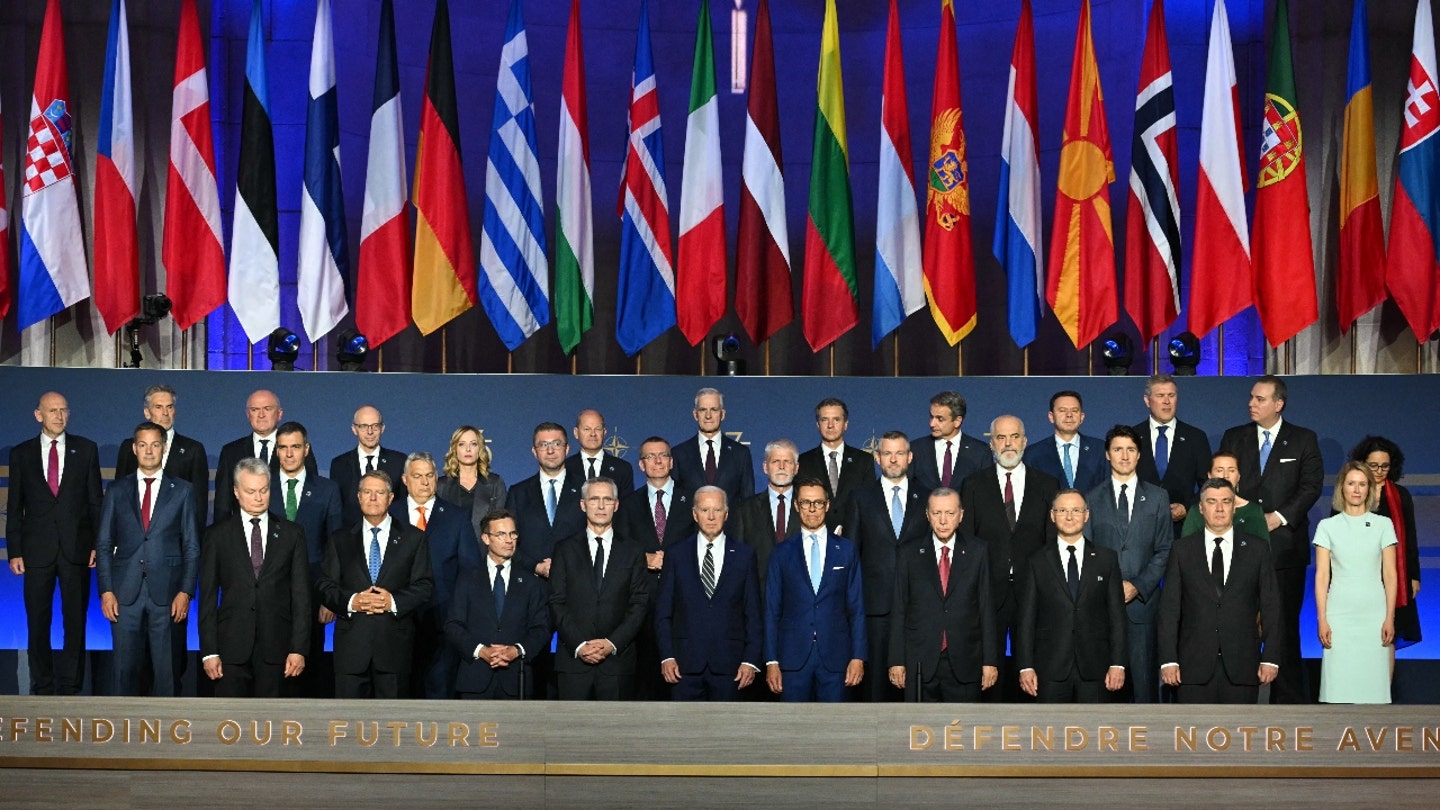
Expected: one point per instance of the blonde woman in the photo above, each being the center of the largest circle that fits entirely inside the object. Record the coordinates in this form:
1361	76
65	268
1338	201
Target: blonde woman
468	481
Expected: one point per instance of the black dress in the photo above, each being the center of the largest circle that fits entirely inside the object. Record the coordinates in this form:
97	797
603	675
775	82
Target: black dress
1407	618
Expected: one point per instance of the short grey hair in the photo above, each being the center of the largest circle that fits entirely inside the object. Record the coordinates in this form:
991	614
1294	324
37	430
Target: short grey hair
781	444
600	479
250	465
420	455
159	389
708	392
711	489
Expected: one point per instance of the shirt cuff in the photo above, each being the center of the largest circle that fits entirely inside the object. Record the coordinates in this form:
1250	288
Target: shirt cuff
350	605
1170	664
750	665
672	658
476	655
1268	664
208	657
1283	521
1027	669
613	648
768	663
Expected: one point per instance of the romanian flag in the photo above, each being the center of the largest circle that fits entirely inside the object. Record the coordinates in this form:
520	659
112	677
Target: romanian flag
1081	286
828	302
445	279
949	260
1360	284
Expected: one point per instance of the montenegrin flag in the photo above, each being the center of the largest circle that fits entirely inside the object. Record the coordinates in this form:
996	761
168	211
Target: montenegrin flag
1360	281
1017	224
949	259
574	213
899	263
1412	274
255	229
382	294
324	261
117	249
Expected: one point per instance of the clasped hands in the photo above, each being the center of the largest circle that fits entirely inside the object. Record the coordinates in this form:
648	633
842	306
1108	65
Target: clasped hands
374	600
499	656
594	651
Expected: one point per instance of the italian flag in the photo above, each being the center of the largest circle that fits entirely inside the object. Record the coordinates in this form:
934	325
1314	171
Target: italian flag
700	263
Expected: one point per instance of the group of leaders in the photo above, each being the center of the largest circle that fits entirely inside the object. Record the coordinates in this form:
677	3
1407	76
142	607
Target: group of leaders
1108	565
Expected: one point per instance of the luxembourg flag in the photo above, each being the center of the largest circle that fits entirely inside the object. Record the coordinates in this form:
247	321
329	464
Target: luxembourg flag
1017	226
324	256
899	279
53	276
1415	217
117	254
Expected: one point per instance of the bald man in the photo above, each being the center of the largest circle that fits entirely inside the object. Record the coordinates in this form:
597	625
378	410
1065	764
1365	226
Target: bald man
264	413
592	460
345	469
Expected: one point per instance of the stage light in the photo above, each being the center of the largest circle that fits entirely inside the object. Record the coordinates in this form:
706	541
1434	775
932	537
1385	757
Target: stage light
153	309
351	349
727	352
1185	354
1119	352
282	347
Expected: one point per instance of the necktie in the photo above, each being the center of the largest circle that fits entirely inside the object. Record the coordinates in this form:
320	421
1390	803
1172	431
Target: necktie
292	504
1069	466
1265	451
660	515
1072	575
944	588
814	563
949	468
780	516
421	522
897	510
145	506
369	464
1009	501
52	475
1162	450
834	472
1124	505
374	553
710	461
592	473
551	500
599	564
1217	567
498	590
257	556
707	570
265	450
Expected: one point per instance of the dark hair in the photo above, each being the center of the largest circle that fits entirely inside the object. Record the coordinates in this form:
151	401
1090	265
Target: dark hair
1224	454
1068	491
293	427
1279	384
812	481
1119	432
494	515
833	402
547	426
653	439
148	425
1217	483
951	400
1372	444
1059	394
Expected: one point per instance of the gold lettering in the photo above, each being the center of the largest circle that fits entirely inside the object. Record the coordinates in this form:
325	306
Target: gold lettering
1348	740
180	732
1185	738
337	730
1404	738
982	735
459	735
1303	741
1218	738
125	735
1074	733
255	732
1042	738
150	731
229	732
1247	733
1376	741
1010	738
489	735
290	732
1109	739
397	726
1274	738
18	728
1430	739
71	730
1137	738
42	729
420	734
954	736
921	738
374	733
102	731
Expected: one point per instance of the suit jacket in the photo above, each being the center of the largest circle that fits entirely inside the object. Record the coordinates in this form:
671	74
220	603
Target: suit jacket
734	472
186	461
753	521
1290	484
384	639
867	521
616	611
719	632
637	518
230	455
831	619
244	618
42	527
345	471
1189	464
964	614
1089	633
1089	464
617	470
1143	543
971	455
472	623
984	503
486	496
857	468
317	513
537	537
1197	626
453	548
164	560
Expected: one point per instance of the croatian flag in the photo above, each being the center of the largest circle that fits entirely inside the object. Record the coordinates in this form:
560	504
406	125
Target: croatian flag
1017	226
1415	219
324	256
117	254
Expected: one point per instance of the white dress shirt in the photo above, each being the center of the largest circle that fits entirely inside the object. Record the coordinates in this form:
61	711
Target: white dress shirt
1169	436
45	455
1017	483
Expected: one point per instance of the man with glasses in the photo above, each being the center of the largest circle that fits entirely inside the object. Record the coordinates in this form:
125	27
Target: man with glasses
263	412
547	504
346	468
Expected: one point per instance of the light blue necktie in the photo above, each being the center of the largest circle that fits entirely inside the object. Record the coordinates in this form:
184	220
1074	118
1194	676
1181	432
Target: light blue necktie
1069	466
814	563
1265	451
550	502
897	510
1162	450
374	554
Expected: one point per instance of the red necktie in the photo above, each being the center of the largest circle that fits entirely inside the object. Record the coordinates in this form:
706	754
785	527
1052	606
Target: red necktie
145	506
52	475
944	586
660	515
949	470
1009	502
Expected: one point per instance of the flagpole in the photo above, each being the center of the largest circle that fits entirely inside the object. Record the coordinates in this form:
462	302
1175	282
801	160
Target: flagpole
1155	355
574	365
1091	352
960	359
832	359
50	323
1220	348
249	355
895	352
315	356
637	363
444	349
767	357
702	358
1290	356
184	348
509	362
380	359
1353	348
1025	360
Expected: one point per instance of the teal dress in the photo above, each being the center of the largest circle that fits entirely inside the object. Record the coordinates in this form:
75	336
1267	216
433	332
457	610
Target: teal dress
1356	668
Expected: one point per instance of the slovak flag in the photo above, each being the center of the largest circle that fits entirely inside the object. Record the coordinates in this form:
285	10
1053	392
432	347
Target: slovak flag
1415	218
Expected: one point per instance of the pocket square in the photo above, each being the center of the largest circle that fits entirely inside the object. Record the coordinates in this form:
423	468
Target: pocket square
1286	460
1099	578
837	568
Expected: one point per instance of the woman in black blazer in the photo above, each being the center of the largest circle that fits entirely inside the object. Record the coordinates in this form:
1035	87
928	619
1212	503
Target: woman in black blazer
468	481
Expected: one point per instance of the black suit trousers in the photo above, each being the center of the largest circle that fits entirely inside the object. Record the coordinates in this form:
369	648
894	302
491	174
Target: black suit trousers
1218	690
255	680
1291	684
876	686
1072	689
52	674
372	684
592	684
942	686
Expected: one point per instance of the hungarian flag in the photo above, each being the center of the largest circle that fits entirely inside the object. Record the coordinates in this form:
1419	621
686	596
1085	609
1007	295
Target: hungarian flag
1152	251
1412	272
255	227
1220	280
899	263
949	260
1284	277
382	294
324	261
1360	283
828	301
574	216
700	279
763	298
1017	224
445	283
1081	285
117	250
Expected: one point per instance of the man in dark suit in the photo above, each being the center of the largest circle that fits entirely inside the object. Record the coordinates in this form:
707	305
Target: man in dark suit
1070	643
1131	517
255	609
1216	583
1281	469
1183	461
375	579
1075	460
947	456
592	460
599	596
945	644
546	505
841	467
147	561
53	510
711	457
495	622
312	502
707	612
815	644
450	540
764	519
264	413
1007	505
185	457
881	518
345	469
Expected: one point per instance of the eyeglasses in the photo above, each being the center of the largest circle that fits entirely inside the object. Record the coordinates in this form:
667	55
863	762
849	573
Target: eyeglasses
553	444
1378	467
654	456
811	504
1069	511
502	535
369	427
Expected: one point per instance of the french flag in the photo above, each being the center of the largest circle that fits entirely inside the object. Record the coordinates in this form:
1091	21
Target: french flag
1415	217
117	252
1017	226
382	297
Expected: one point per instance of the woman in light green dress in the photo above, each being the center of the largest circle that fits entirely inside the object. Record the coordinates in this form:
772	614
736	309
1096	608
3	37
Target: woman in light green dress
1355	593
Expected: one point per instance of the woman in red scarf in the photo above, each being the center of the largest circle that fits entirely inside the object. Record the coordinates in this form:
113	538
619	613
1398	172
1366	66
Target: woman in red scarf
1387	464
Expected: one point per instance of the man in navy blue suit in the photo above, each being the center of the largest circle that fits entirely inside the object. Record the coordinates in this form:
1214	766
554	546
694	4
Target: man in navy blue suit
707	612
815	644
947	456
147	561
592	460
546	505
1075	460
710	457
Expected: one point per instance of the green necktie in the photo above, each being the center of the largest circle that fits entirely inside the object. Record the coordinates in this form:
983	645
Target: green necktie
291	504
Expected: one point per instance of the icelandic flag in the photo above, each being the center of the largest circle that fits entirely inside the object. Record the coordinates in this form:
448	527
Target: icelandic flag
899	280
1415	216
255	231
515	275
1017	226
117	252
53	275
324	259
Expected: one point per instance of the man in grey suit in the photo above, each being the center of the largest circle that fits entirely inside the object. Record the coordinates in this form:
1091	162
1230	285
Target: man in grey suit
1132	518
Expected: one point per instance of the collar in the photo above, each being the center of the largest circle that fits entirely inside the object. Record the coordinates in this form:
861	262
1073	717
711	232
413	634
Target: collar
411	503
1170	424
668	488
44	438
361	452
838	447
1117	481
299	479
383	526
1274	430
607	536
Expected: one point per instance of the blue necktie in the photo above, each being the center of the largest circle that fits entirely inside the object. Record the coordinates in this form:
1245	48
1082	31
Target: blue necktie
815	563
1162	450
1069	466
374	554
550	502
1265	451
897	510
499	591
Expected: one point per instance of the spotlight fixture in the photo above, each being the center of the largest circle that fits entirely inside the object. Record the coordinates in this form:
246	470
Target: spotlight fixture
1119	352
1185	354
282	347
351	348
153	309
727	351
